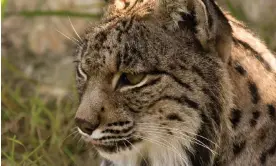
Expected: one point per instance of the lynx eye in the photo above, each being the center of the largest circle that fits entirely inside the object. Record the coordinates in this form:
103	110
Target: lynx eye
130	79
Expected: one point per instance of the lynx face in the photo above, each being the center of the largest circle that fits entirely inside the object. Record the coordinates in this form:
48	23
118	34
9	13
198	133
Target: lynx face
141	86
150	94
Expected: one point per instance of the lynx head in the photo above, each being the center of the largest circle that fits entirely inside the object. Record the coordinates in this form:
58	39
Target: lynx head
152	83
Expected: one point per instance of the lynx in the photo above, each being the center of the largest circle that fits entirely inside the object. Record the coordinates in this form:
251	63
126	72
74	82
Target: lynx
176	83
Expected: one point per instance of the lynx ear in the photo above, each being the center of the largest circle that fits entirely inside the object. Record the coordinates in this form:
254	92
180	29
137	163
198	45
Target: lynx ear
203	17
214	31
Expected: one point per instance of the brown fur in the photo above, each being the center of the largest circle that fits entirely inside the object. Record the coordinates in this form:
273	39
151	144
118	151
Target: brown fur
257	135
209	86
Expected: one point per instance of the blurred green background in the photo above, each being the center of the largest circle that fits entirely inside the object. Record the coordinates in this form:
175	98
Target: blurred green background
38	94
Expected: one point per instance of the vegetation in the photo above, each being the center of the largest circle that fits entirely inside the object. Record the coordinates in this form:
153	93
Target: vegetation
36	130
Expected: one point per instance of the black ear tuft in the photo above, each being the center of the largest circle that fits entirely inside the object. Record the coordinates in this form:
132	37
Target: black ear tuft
188	21
207	21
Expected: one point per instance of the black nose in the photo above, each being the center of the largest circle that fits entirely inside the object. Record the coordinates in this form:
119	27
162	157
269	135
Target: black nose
85	126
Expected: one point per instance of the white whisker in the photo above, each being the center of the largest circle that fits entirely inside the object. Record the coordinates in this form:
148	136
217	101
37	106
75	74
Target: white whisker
163	145
70	134
194	140
74	41
137	151
177	131
74	29
76	135
174	129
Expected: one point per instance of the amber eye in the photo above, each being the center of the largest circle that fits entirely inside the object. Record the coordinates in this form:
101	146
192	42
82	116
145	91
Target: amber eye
130	79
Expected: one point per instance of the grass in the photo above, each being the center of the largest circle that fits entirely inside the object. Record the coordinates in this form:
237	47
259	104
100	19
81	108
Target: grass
36	130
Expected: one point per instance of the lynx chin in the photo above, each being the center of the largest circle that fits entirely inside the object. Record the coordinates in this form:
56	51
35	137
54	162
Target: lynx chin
176	83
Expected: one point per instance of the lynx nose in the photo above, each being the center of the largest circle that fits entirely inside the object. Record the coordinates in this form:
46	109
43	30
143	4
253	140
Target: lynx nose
85	126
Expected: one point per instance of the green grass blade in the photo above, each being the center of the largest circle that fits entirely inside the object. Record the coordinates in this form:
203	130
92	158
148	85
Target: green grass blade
17	142
9	158
3	8
12	148
33	152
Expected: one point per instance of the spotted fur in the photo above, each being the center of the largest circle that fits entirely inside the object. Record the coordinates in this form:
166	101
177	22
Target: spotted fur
208	96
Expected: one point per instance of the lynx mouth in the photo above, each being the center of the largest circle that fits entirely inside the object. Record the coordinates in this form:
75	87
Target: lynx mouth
115	146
